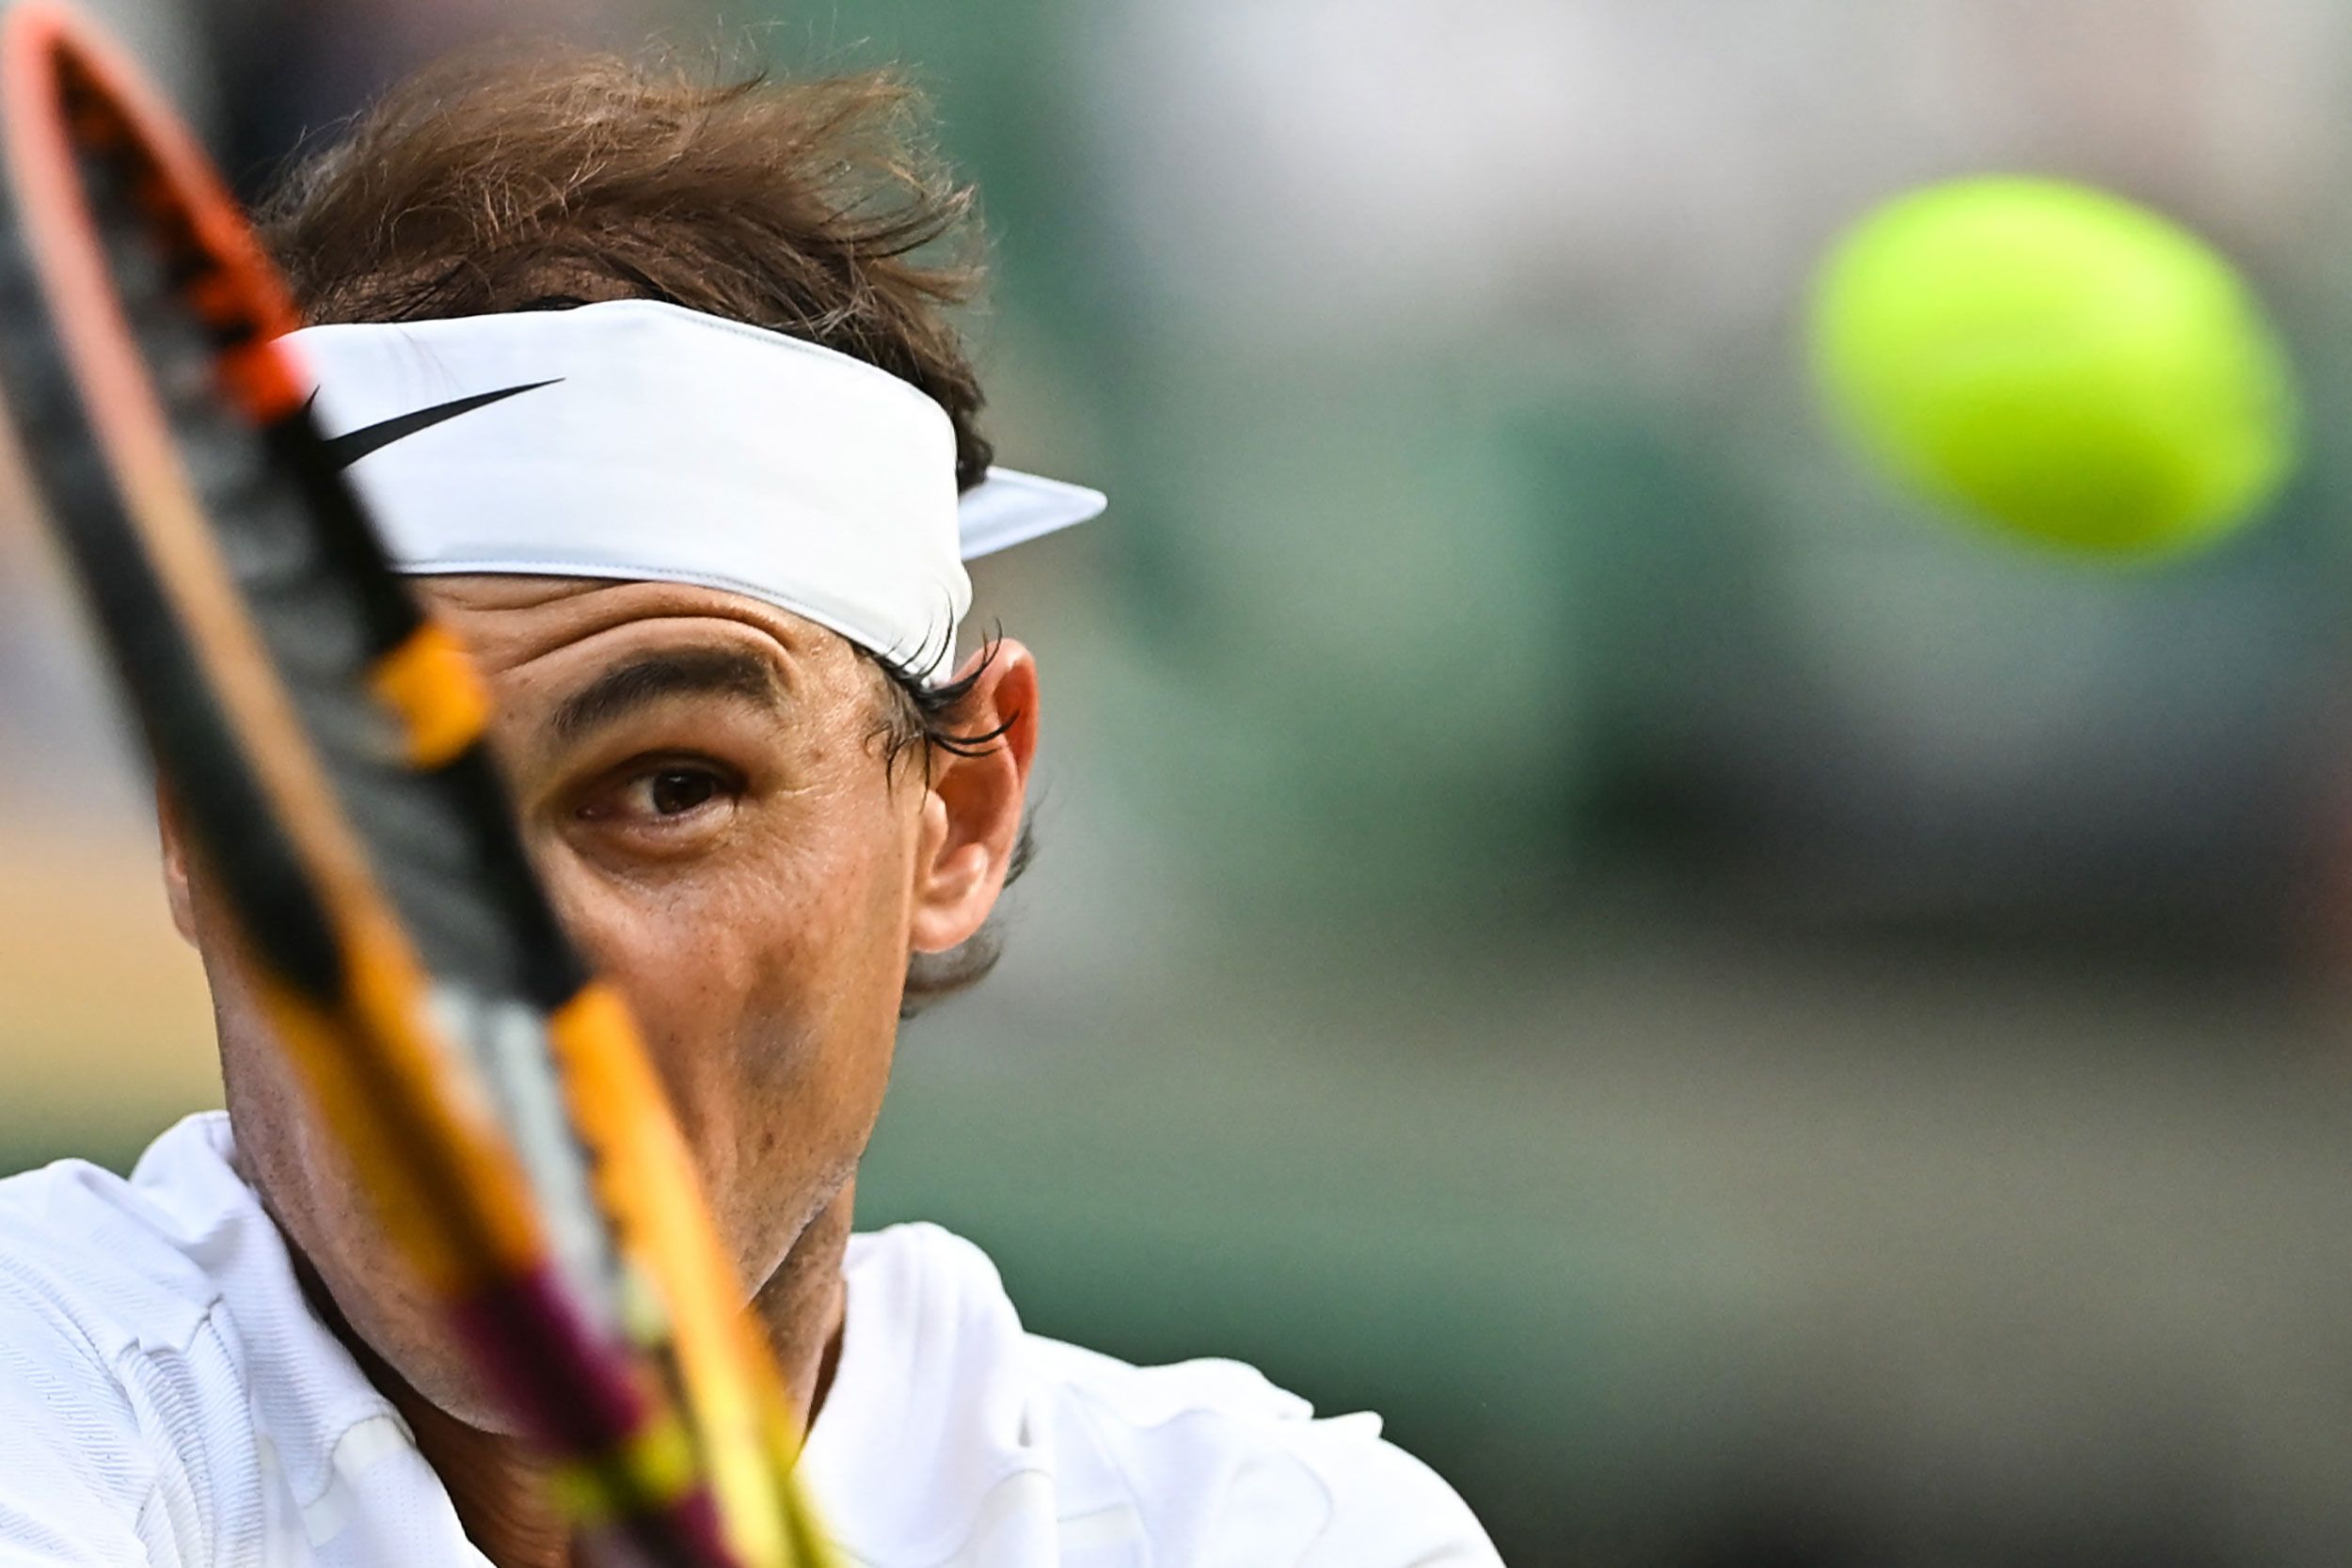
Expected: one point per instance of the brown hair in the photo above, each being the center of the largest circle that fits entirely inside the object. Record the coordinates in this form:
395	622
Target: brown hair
548	180
533	182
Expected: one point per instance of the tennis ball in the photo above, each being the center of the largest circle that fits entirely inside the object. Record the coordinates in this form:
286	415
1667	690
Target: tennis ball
2057	361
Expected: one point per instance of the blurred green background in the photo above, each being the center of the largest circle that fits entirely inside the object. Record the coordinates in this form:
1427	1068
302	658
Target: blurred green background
1756	1025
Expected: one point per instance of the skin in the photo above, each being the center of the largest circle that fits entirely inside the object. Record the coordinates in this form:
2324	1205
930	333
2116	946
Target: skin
701	782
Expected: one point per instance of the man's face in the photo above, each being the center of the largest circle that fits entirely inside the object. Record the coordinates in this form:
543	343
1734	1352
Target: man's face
702	783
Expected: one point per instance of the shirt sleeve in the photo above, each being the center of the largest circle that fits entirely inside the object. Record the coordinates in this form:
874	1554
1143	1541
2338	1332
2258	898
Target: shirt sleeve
1388	1509
77	1489
1218	1469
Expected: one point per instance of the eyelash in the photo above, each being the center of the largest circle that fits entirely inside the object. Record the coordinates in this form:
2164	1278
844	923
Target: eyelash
647	771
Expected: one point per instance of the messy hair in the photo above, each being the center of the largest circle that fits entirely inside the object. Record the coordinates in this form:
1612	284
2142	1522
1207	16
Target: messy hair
543	181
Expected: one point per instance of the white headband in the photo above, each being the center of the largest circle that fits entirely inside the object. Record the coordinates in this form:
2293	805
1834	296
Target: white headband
638	440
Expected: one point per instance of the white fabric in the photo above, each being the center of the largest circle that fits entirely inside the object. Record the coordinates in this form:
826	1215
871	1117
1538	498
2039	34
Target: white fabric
640	440
166	1399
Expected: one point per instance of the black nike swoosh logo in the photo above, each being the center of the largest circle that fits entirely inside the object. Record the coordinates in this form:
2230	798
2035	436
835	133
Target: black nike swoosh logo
351	445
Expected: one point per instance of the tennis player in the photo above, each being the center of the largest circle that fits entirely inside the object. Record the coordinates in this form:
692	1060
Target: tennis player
651	387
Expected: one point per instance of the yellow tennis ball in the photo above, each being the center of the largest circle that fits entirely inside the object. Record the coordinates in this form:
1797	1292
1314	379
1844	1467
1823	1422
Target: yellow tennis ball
2056	360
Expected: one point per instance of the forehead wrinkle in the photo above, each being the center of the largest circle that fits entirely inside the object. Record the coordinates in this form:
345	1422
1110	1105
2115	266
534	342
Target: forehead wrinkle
514	622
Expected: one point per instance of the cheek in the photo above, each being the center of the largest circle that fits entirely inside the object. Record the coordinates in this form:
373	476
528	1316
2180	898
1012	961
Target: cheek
766	980
284	1150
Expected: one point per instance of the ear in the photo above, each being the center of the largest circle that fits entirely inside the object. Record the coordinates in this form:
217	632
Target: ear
175	865
971	809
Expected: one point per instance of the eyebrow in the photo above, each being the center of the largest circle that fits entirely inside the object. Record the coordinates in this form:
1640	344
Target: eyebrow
683	672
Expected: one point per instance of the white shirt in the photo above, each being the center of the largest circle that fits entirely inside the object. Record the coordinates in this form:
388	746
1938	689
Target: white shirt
168	1399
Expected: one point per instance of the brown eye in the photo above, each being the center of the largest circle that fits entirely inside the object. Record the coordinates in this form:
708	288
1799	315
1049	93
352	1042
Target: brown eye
664	799
679	790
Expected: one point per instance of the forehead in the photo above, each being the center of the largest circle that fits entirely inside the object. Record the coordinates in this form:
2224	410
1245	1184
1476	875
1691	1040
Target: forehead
537	638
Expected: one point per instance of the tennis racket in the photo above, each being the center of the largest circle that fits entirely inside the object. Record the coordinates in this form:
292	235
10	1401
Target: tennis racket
322	740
